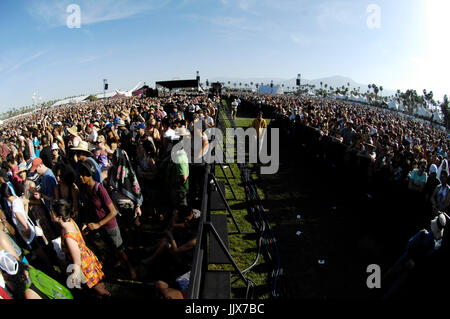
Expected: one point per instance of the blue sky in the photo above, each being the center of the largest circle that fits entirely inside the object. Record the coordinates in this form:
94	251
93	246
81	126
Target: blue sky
126	41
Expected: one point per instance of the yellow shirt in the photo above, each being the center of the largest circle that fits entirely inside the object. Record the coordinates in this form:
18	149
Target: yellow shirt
258	125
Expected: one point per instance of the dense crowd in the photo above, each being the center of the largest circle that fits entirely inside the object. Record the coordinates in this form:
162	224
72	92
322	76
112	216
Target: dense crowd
408	151
399	157
79	183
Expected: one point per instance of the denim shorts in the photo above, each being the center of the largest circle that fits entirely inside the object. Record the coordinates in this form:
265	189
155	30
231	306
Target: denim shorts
115	236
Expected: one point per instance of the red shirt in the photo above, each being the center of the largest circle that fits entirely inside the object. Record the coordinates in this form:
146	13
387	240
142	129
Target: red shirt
16	179
97	202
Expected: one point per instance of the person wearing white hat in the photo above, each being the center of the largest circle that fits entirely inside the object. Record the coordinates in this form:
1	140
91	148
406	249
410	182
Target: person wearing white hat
421	246
443	168
440	199
18	279
5	244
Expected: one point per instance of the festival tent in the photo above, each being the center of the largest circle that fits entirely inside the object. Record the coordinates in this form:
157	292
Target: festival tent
140	91
421	111
105	95
267	89
77	99
393	105
128	93
358	99
437	117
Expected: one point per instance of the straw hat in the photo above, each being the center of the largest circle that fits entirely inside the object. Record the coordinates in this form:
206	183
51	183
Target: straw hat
181	131
22	167
82	147
73	130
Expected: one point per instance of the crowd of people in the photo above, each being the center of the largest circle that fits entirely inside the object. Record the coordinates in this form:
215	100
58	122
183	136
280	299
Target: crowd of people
376	150
410	152
80	182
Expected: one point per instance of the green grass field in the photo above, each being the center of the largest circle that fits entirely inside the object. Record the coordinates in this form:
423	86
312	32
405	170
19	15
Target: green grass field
243	247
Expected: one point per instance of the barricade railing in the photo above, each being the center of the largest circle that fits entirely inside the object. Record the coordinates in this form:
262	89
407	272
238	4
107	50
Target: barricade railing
199	263
267	243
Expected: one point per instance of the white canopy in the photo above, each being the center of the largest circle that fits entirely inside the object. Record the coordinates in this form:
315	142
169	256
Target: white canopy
70	100
267	89
423	112
437	117
393	105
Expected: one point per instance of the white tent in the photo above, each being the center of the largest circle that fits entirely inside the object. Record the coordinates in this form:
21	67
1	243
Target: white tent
421	111
70	100
129	93
358	99
393	105
437	117
401	107
105	95
267	89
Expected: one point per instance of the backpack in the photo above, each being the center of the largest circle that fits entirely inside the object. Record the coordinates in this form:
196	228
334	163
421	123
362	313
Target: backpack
47	285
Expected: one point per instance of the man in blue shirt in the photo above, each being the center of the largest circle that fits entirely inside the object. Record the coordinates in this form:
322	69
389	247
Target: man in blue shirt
48	181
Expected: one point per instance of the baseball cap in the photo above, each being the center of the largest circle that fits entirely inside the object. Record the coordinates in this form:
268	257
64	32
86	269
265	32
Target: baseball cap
36	162
8	263
55	146
142	126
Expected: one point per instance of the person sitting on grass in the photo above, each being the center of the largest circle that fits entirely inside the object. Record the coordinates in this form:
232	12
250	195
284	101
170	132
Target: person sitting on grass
179	244
176	290
419	248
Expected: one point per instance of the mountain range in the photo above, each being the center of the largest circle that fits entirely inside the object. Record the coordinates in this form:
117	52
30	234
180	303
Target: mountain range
333	81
